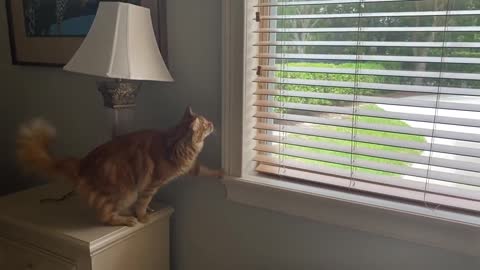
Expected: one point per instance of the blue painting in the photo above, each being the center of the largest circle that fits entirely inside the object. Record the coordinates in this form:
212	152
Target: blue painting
48	32
60	18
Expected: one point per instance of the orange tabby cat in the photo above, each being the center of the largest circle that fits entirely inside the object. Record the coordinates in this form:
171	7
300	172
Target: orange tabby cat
121	176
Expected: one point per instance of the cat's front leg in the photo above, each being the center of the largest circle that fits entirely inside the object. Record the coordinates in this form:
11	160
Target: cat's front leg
200	170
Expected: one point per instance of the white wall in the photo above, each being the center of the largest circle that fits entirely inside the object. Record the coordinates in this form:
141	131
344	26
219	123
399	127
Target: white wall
209	232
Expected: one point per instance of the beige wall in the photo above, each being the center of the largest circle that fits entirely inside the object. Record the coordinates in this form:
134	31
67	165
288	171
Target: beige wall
209	232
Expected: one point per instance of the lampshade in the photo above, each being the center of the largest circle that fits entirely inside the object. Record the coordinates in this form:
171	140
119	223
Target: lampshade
120	44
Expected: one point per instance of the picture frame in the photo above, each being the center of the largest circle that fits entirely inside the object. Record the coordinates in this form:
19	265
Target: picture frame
43	43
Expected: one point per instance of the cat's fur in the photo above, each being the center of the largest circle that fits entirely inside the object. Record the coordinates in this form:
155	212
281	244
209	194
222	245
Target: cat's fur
121	176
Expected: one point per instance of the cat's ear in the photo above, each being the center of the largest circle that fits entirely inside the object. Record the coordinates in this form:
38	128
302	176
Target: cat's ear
195	125
188	113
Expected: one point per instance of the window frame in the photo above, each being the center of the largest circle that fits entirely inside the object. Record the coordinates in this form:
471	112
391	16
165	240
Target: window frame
445	229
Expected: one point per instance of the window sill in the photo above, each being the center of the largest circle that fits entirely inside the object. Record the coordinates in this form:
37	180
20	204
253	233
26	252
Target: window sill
434	227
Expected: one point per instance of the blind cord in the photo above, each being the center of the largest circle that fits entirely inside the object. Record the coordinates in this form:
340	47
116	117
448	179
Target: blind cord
281	130
437	101
282	113
353	139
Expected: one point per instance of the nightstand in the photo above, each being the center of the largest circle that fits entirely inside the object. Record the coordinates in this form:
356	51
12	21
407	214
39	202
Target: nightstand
66	235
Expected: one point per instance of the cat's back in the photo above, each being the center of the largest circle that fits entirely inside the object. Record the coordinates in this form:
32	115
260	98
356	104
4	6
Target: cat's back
123	144
121	158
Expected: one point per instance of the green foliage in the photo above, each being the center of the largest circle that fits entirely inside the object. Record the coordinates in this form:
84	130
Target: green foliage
329	77
406	36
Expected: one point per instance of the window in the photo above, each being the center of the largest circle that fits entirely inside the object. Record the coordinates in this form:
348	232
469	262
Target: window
380	97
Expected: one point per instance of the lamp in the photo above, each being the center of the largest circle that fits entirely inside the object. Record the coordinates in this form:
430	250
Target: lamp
120	46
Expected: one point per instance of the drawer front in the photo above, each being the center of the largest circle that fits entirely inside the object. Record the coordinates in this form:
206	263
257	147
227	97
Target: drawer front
14	256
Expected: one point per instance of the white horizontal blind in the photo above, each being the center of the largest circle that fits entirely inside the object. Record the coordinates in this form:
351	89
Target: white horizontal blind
377	96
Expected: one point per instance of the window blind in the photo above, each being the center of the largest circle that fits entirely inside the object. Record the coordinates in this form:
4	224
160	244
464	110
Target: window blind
376	96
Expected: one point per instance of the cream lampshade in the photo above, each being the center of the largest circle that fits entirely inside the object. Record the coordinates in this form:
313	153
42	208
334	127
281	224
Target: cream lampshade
121	46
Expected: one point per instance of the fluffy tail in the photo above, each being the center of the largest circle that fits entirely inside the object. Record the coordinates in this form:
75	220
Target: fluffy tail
33	155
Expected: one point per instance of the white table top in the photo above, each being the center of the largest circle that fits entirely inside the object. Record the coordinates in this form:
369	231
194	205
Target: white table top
70	219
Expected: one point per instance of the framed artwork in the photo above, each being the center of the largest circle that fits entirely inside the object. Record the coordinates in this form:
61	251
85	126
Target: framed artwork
48	32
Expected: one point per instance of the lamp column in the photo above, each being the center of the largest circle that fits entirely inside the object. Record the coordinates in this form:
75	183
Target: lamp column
119	99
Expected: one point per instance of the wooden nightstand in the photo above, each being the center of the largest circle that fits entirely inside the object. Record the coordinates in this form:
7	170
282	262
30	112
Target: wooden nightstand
66	236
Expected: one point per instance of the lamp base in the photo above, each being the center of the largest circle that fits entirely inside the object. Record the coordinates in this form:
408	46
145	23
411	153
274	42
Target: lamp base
119	99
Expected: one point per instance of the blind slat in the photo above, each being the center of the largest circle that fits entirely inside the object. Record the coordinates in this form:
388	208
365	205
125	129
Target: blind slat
371	29
409	44
373	15
374	86
372	99
377	72
322	2
381	58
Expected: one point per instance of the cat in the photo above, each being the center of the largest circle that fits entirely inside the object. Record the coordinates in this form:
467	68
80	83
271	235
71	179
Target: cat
119	178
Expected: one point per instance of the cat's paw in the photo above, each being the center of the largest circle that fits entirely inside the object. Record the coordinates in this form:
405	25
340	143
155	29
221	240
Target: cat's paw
130	221
144	218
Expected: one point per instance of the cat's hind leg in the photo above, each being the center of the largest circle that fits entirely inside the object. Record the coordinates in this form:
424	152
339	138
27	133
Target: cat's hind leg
144	199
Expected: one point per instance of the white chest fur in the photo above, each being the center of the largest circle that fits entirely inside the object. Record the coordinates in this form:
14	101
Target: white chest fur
67	236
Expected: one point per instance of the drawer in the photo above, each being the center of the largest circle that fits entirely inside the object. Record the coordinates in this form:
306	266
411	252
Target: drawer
14	256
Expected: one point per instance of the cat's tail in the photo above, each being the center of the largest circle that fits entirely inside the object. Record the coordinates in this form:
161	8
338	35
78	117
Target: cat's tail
34	157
